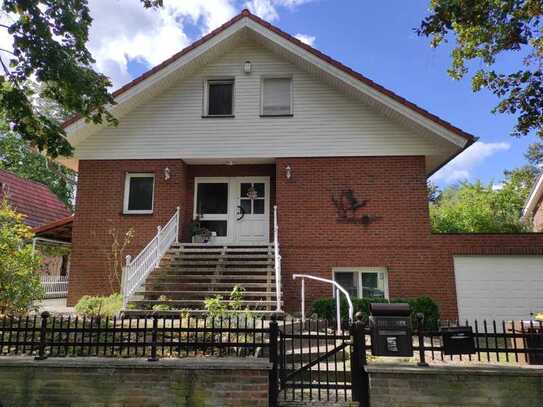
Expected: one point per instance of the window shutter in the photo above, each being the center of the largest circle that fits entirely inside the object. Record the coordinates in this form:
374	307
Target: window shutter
276	96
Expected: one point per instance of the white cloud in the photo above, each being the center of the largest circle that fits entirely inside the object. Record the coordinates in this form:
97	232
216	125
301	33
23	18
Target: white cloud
267	9
123	30
460	168
307	39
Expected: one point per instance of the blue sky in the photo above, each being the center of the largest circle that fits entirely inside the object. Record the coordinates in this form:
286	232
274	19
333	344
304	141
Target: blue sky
376	39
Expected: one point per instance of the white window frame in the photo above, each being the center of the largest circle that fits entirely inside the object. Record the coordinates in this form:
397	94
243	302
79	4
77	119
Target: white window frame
128	177
262	79
360	271
219	80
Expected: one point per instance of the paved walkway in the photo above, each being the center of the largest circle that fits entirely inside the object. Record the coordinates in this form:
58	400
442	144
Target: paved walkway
55	306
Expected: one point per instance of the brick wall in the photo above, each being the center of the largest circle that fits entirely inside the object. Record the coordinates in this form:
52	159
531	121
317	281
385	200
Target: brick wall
99	209
312	241
115	383
455	386
418	262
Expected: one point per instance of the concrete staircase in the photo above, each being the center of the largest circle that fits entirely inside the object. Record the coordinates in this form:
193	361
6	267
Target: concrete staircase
190	273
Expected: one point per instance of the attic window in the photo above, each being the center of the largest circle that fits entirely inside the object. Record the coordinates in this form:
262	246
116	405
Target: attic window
277	97
219	98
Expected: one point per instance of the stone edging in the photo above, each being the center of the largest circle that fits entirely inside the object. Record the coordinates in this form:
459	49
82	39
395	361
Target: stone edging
475	370
194	363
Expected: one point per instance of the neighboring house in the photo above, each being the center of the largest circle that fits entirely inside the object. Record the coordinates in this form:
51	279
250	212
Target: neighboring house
533	209
248	119
40	208
34	200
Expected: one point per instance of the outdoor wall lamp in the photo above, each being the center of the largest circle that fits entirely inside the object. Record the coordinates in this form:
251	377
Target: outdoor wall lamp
167	173
288	172
247	67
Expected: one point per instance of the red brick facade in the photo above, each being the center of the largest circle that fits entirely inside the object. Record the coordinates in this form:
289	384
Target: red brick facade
312	241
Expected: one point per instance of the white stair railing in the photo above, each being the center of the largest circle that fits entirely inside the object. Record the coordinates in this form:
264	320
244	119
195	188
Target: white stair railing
339	289
277	260
136	270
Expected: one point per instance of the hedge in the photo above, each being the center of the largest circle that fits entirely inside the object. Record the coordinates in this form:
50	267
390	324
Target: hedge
325	308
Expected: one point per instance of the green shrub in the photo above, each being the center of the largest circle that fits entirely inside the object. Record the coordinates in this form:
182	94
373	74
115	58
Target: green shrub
89	306
325	308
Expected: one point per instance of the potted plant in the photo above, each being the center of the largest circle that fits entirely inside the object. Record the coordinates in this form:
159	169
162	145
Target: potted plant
199	233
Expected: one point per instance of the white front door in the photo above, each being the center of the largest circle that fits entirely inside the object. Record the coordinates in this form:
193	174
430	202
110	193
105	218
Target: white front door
236	209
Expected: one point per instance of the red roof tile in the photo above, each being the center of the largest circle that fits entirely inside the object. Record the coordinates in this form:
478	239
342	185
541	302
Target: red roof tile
32	199
246	13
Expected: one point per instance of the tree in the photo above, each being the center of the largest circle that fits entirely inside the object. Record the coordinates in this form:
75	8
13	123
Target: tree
483	30
20	284
49	46
17	157
478	208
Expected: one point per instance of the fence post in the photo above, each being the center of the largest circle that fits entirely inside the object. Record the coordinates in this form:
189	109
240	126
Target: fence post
359	375
274	372
154	336
43	333
422	351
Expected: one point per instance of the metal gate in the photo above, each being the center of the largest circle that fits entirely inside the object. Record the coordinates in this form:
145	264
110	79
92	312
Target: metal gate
318	362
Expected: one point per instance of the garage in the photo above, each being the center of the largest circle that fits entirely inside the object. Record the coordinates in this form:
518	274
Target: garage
498	287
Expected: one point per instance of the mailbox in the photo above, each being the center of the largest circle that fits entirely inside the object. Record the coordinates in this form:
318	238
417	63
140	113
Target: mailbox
391	330
458	340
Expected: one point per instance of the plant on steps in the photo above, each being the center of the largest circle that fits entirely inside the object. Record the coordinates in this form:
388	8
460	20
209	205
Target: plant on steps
217	307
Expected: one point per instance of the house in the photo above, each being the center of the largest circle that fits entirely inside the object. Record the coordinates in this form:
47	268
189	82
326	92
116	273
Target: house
34	200
41	209
533	209
261	158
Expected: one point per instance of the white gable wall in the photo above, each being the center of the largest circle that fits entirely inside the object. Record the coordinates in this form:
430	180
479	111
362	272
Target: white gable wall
325	122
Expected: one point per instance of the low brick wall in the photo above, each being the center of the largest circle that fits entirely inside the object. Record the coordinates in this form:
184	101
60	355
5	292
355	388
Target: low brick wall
133	382
402	386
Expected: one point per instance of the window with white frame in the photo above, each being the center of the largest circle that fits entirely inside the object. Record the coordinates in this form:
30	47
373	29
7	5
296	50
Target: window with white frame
219	97
276	96
139	193
363	282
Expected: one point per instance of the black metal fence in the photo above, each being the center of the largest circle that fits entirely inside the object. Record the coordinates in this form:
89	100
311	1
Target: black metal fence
44	336
310	359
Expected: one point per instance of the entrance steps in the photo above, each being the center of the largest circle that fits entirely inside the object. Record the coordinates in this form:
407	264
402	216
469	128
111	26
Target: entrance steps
191	273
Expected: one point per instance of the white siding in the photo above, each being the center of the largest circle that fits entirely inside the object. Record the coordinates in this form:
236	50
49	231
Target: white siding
325	122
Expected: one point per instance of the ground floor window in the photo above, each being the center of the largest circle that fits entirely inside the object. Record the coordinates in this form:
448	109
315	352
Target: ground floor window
362	282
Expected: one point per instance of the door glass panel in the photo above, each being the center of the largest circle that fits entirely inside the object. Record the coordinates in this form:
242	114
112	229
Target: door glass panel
212	198
258	207
372	286
348	282
218	226
259	187
244	190
246	205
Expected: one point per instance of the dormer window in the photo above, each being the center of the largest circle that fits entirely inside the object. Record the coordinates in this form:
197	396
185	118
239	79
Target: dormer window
219	98
277	97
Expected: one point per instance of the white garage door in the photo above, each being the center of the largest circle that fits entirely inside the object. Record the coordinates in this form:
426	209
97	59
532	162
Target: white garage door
498	287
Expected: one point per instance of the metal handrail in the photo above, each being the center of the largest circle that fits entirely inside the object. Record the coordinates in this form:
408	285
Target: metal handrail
338	290
277	259
138	269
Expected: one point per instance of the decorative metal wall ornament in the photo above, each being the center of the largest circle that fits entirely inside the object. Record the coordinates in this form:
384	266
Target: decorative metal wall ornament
346	206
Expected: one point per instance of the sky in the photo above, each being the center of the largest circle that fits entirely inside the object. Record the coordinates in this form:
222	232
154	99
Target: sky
374	38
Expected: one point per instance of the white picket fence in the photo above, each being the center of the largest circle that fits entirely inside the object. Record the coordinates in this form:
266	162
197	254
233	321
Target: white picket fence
55	286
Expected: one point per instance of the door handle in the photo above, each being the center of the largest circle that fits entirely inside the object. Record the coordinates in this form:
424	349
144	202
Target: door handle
241	212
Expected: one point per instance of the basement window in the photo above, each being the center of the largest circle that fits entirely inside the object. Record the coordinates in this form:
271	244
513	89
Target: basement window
139	193
219	98
363	282
276	97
